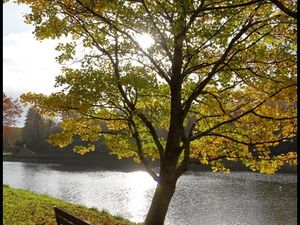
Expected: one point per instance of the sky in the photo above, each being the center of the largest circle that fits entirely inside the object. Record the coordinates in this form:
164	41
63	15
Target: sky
28	65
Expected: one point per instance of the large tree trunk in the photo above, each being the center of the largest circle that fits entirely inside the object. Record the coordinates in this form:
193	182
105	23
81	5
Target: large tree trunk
160	203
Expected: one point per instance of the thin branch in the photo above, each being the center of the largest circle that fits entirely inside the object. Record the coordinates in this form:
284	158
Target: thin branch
163	40
241	158
217	99
112	25
198	135
166	16
215	68
249	143
238	117
289	12
112	132
232	6
153	133
137	138
187	70
273	118
195	14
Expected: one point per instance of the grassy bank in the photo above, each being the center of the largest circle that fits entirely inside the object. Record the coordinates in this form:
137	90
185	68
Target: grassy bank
21	207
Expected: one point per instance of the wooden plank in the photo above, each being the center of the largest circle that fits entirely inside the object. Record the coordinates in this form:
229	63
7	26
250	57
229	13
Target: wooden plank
65	218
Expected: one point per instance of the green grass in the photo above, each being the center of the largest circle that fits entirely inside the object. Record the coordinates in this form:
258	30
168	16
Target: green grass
22	207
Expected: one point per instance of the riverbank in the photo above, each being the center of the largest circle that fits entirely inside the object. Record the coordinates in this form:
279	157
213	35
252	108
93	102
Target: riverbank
104	161
25	207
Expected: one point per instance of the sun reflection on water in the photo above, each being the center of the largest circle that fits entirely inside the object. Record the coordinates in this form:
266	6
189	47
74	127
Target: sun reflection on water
140	187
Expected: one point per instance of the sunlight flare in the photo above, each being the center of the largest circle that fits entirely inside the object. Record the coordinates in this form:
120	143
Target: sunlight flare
145	40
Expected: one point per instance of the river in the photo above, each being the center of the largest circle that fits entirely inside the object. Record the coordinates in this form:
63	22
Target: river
239	198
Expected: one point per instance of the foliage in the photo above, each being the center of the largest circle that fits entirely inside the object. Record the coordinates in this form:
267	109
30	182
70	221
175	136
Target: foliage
22	207
12	138
233	80
219	80
11	111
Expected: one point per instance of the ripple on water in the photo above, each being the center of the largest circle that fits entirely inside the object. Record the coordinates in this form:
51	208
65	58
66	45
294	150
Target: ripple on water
206	198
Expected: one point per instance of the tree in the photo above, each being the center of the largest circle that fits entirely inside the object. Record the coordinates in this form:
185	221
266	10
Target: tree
219	80
11	111
36	132
11	139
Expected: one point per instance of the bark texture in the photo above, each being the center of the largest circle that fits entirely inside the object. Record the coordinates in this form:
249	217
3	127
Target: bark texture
160	204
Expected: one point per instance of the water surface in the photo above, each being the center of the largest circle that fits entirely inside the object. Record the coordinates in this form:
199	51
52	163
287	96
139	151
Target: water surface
240	198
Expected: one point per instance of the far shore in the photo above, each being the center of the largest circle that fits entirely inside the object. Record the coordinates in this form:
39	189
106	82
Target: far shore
110	162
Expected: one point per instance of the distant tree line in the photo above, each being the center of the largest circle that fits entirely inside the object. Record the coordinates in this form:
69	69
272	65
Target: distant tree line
33	137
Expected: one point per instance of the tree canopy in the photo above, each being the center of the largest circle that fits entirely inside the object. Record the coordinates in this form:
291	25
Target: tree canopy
218	83
228	69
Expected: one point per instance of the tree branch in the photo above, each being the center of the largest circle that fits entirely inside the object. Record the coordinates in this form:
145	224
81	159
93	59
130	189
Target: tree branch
285	9
232	6
273	118
163	40
249	143
135	134
213	71
201	134
112	25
